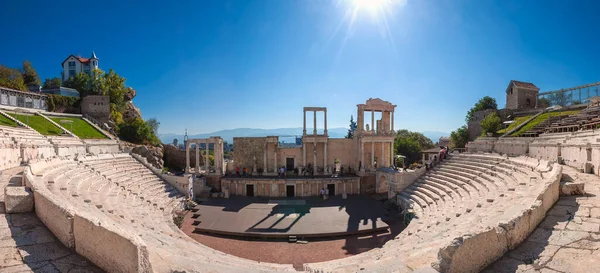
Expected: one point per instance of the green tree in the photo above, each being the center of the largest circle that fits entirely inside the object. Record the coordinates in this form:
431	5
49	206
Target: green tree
409	148
352	128
420	138
460	137
483	104
491	123
113	86
80	82
543	103
52	83
154	124
138	131
30	76
11	78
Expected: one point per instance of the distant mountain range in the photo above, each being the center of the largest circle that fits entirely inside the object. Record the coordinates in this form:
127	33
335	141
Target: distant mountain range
228	135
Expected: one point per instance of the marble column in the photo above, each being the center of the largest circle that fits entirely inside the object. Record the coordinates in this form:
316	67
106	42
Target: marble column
206	159
372	121
325	159
275	157
372	155
315	156
197	159
325	114
303	154
392	153
392	114
265	157
187	157
304	130
314	122
362	155
382	154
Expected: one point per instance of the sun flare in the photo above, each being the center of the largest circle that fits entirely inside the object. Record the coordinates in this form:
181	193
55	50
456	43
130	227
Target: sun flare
369	5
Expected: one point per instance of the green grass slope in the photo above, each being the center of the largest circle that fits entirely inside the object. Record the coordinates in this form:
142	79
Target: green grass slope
541	118
39	124
513	125
80	128
4	121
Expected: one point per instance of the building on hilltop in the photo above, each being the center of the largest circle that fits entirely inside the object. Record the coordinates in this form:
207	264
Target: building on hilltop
73	65
521	95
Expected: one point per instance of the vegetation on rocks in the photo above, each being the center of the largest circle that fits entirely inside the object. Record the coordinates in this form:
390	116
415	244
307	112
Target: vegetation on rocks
129	127
459	137
483	104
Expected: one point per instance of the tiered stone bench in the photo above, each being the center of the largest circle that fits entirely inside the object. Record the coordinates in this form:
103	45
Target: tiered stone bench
469	211
116	197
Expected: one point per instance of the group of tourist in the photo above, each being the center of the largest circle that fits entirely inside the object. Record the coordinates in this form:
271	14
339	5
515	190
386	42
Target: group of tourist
245	172
281	172
324	193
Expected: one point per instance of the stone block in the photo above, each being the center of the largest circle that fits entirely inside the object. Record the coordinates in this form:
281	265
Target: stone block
108	246
572	188
18	200
57	215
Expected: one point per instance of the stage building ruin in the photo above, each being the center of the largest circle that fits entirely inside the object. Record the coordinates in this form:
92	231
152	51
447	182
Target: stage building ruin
357	158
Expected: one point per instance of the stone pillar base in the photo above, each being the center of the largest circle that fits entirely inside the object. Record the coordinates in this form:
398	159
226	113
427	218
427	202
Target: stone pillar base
18	200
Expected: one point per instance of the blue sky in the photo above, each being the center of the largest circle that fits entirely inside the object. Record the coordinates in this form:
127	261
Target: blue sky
213	65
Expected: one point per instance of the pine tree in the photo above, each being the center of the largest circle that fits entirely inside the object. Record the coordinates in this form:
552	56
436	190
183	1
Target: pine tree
352	128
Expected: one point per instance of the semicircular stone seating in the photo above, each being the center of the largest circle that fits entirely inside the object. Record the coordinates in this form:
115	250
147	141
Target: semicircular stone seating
120	189
464	194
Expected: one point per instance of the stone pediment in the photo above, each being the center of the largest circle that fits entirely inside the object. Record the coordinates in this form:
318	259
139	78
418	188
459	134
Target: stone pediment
377	104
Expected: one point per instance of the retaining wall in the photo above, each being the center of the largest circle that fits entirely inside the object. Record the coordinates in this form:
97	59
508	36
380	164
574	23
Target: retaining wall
473	252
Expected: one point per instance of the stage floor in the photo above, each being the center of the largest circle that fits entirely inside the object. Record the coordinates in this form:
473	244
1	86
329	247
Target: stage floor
280	218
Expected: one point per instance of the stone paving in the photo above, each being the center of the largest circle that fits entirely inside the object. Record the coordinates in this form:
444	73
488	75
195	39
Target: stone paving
26	245
568	240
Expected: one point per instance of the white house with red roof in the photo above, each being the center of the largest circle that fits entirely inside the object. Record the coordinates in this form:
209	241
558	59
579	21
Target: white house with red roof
73	65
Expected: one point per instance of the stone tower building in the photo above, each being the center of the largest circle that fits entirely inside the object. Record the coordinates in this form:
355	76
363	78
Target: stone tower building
521	95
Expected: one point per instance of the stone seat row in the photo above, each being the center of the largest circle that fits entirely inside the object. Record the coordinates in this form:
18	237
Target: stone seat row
465	193
170	250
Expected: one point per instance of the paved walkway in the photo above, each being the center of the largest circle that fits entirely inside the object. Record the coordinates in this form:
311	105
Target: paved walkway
568	240
26	245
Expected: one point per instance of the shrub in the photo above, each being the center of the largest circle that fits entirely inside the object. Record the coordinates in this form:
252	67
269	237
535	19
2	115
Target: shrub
138	131
491	123
58	103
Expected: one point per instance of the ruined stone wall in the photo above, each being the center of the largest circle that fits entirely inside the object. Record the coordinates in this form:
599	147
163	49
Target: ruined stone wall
368	183
246	148
344	150
174	158
98	107
295	153
274	187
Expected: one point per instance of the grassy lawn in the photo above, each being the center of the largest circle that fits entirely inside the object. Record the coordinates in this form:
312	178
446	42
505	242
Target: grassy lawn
513	125
541	118
4	121
39	124
81	128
